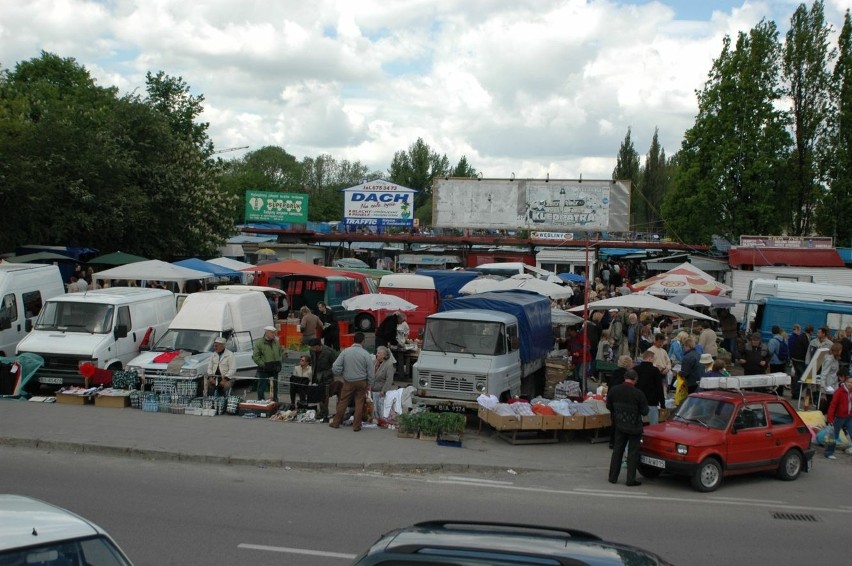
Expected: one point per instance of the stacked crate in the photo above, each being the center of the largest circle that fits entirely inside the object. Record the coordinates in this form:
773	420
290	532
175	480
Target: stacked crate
556	370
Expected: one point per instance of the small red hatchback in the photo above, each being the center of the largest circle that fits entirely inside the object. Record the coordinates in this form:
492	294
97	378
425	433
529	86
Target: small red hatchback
721	433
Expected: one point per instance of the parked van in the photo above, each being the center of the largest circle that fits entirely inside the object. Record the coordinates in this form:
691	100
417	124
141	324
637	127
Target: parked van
106	327
417	289
787	312
23	289
238	315
762	289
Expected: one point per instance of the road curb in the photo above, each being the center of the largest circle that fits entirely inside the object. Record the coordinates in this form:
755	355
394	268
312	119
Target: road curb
162	455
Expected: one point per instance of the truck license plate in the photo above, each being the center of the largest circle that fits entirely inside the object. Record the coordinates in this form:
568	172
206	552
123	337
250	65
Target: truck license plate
656	462
450	408
50	380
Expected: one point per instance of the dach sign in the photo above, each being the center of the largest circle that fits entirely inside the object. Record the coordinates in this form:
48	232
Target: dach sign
378	203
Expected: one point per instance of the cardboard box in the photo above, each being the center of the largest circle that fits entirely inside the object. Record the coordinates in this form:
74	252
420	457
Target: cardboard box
531	423
501	422
598	421
112	401
74	399
574	422
482	413
552	422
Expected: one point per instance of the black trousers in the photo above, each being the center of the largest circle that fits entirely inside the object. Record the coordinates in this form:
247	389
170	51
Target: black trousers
631	443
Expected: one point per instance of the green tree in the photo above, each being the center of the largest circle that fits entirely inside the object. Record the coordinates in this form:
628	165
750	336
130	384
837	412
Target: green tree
463	169
171	97
835	207
627	169
731	166
806	61
654	185
415	169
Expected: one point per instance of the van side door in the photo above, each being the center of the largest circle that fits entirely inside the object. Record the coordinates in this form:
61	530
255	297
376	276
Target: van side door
126	347
11	329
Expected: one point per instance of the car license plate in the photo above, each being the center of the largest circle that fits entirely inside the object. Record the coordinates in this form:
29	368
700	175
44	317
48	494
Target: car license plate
450	408
51	380
656	462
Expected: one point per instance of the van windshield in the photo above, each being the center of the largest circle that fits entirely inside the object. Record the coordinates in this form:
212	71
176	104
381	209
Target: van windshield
464	336
195	341
76	317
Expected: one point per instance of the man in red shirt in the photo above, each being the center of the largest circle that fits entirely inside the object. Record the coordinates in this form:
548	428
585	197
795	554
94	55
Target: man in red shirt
840	415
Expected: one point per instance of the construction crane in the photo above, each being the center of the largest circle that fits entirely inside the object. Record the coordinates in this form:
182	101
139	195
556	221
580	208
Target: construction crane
227	149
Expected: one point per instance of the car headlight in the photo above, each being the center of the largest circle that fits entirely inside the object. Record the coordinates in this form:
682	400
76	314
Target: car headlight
140	371
682	449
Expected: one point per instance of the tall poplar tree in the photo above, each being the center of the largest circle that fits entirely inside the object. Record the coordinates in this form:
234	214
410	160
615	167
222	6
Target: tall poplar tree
730	173
806	64
655	184
627	169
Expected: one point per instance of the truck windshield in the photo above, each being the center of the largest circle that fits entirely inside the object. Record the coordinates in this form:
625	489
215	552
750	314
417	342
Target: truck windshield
464	336
76	317
195	341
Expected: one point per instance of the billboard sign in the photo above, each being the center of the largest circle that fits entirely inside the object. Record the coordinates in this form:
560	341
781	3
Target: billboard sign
542	205
263	206
795	242
378	203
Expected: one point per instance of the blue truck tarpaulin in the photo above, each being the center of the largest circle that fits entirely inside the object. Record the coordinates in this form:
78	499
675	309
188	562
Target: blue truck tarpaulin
447	282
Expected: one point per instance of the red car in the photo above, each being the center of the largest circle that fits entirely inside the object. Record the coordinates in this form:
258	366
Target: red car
723	433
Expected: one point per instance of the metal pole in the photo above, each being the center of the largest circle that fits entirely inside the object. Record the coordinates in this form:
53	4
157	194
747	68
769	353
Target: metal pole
585	341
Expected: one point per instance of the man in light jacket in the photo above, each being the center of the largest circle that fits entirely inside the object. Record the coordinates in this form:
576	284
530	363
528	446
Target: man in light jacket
358	370
221	368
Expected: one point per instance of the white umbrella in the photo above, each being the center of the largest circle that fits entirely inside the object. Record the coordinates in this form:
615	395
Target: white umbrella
479	285
703	300
377	302
559	316
642	302
539	286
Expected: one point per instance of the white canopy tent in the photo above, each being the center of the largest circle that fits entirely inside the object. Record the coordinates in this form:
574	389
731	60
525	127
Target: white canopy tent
153	270
642	302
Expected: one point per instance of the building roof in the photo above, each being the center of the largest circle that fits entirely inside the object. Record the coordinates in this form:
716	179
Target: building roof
816	257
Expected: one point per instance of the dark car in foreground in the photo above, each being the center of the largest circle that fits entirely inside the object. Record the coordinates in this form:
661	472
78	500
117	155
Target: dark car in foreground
726	430
38	533
472	543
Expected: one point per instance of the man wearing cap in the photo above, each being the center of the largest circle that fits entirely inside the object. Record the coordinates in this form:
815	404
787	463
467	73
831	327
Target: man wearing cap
356	366
221	368
322	360
267	357
755	356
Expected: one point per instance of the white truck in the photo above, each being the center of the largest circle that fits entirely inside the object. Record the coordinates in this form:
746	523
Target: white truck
492	343
762	289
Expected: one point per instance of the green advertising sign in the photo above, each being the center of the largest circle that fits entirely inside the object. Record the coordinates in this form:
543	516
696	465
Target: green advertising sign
263	206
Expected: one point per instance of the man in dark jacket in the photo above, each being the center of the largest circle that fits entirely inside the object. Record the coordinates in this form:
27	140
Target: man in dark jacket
322	359
628	405
755	356
386	332
650	382
690	366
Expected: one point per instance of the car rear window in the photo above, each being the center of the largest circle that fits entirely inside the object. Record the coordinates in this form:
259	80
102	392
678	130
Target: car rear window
779	414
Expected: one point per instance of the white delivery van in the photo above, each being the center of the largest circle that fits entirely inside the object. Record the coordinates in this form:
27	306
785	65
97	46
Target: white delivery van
762	289
238	315
105	327
23	289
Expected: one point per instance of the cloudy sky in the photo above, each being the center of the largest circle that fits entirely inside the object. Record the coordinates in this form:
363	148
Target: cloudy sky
530	87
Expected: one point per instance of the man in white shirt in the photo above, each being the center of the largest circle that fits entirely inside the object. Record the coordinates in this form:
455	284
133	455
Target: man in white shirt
661	358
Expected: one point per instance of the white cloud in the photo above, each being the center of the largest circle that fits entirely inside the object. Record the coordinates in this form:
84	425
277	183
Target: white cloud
524	86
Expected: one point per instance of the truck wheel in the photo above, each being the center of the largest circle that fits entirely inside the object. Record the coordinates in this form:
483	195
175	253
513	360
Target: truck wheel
365	323
649	471
708	476
791	465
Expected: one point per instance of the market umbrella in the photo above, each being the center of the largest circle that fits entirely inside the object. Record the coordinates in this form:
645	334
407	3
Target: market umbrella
530	283
116	258
642	302
572	278
703	300
685	278
479	285
559	316
265	251
377	302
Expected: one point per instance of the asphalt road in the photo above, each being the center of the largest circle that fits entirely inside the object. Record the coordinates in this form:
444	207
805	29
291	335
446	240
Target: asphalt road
175	513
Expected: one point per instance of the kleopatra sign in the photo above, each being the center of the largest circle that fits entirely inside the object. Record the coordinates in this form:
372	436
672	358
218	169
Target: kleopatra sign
262	206
378	203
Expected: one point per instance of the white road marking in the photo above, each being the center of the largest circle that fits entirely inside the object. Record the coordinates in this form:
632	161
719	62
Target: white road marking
305	551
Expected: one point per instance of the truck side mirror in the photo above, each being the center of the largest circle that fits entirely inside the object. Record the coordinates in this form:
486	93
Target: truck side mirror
515	342
120	331
28	325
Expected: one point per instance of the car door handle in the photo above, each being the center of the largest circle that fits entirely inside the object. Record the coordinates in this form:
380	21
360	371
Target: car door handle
768	435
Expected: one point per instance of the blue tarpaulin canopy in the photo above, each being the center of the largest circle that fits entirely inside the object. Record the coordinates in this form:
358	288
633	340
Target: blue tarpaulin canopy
572	277
206	266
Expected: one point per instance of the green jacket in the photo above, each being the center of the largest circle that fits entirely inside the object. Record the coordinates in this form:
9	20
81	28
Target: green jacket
266	352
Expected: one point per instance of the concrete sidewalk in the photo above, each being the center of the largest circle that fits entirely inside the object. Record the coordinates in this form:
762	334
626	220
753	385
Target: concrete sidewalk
228	439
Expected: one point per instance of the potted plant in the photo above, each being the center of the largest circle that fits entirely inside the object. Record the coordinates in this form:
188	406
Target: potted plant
430	426
409	425
452	426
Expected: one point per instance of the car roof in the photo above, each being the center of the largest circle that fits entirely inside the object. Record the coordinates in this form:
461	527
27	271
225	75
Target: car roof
733	396
25	521
501	542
